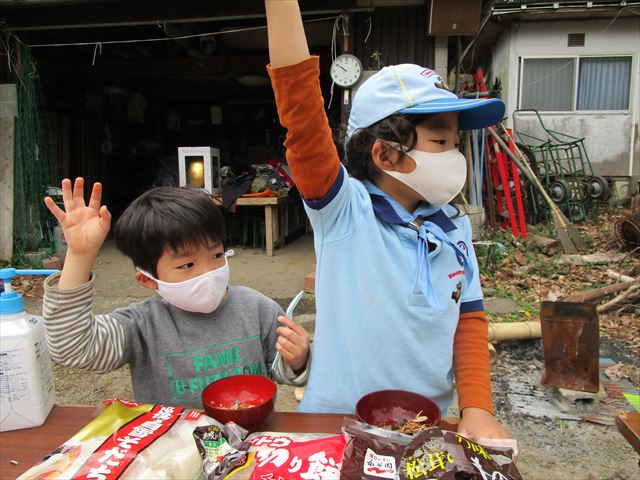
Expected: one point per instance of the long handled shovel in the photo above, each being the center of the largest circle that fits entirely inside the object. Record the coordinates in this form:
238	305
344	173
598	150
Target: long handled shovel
570	238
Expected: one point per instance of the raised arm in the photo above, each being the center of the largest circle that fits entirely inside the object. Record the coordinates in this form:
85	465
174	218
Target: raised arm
74	336
311	153
287	41
85	228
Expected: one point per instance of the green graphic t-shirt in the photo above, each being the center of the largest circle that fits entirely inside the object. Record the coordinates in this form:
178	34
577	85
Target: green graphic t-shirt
174	355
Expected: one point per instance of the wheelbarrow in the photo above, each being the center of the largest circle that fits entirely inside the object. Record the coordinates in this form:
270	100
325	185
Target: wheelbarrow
562	164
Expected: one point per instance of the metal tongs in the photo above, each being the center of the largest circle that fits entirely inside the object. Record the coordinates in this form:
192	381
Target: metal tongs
292	306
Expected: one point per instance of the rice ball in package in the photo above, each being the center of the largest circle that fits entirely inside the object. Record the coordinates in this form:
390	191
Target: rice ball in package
130	440
433	454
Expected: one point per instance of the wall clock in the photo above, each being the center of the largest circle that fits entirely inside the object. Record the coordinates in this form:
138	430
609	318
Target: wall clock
346	70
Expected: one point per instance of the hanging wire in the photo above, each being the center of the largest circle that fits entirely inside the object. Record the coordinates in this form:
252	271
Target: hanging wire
34	69
612	20
14	62
339	22
370	22
165	39
95	51
6	46
97	46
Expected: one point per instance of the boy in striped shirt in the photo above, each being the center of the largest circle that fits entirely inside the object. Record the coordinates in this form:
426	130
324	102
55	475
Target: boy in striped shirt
202	329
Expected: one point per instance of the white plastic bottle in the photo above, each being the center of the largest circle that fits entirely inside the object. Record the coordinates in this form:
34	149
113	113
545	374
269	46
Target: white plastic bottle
27	392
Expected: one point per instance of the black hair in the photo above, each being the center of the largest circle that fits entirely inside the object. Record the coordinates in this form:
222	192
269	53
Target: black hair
398	128
167	217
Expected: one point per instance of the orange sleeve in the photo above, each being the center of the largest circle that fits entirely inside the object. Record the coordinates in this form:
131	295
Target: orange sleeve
311	153
471	362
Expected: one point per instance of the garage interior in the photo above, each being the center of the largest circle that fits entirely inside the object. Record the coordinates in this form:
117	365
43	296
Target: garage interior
125	83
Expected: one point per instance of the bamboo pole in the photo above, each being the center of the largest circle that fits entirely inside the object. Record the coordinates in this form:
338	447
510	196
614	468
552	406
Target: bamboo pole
514	331
619	276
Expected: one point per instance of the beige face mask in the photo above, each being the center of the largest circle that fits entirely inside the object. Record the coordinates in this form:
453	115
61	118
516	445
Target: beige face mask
438	177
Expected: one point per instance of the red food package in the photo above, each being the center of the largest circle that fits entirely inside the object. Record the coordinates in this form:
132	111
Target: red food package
281	458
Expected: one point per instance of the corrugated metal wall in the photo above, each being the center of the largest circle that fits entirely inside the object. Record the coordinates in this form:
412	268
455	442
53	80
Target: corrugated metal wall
399	34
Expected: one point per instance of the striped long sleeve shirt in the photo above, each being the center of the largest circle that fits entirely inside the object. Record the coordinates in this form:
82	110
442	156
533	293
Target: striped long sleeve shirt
173	354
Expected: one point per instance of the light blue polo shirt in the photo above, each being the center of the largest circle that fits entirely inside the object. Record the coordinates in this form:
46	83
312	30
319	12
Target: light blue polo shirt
374	328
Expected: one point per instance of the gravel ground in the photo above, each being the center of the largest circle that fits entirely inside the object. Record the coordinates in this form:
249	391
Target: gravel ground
560	449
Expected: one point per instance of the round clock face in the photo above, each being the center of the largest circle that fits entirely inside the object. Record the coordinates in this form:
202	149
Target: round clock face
346	70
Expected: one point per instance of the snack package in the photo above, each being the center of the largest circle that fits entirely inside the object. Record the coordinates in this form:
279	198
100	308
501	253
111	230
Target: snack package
222	449
372	452
129	441
290	456
482	461
443	455
435	454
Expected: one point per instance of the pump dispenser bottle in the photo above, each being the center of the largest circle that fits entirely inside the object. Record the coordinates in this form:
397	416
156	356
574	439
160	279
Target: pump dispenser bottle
27	391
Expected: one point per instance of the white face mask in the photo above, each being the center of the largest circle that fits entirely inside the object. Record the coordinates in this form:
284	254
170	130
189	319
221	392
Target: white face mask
438	177
201	294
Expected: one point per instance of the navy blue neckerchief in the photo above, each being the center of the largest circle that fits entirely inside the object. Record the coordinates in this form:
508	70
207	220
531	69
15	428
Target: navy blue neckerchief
425	219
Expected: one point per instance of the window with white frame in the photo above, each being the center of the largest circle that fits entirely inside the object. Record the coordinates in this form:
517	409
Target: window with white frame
575	83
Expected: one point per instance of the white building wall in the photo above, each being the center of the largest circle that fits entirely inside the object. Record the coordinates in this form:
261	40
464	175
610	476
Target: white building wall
611	138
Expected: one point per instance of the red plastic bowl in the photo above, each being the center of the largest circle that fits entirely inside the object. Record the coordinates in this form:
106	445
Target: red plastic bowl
388	407
255	393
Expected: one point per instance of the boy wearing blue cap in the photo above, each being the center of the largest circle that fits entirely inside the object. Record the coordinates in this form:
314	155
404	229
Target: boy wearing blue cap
398	298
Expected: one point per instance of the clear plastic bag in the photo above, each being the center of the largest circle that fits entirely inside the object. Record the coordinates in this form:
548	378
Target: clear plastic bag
129	440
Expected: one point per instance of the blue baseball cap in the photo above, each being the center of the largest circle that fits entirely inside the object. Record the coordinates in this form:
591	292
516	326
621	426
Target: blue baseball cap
409	88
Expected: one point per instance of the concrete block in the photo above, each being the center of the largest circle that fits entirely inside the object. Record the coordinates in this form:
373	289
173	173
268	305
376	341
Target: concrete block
576	402
500	305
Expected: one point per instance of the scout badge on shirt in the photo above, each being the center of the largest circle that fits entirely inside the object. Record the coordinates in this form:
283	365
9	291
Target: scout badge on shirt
457	292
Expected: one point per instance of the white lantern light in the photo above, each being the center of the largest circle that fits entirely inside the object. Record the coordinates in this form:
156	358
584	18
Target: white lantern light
199	167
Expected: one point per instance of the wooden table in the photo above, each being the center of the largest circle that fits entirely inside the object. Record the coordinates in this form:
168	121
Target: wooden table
275	230
30	445
628	424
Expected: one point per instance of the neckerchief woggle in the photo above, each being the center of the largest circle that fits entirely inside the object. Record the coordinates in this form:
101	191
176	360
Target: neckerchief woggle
390	211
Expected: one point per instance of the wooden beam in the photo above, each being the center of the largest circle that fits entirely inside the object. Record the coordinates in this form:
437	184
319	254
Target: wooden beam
222	66
112	13
8	112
